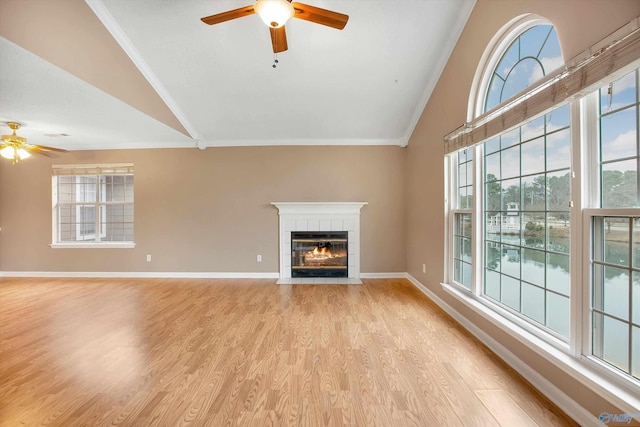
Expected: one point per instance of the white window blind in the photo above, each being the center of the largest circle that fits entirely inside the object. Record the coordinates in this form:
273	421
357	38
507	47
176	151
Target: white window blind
110	169
579	78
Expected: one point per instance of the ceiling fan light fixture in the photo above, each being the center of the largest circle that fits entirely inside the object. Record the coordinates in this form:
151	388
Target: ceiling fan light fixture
14	154
274	13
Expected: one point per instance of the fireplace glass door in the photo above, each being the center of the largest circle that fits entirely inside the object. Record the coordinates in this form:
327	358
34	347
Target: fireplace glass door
319	254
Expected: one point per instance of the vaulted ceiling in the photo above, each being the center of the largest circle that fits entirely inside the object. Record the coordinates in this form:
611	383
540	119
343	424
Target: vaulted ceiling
150	74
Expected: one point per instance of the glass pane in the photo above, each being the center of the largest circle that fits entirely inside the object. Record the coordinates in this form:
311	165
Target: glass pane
616	240
533	39
494	92
619	184
463	225
509	59
534	190
559	150
533	266
533	302
558	278
465	254
492	284
492	145
558	118
551	54
511	198
558	313
534	230
510	292
493	256
615	299
493	193
533	159
618	136
533	129
462	175
558	191
492	167
559	232
510	162
511	260
621	94
510	138
465	199
469	166
613	340
466	275
526	72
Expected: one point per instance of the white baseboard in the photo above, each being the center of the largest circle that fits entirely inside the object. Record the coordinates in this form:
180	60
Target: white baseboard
141	274
553	393
174	275
398	275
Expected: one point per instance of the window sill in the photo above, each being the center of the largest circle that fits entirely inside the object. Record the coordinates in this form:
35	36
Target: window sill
101	245
619	392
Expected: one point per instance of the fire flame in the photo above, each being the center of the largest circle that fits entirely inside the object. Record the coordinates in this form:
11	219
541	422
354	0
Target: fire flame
323	252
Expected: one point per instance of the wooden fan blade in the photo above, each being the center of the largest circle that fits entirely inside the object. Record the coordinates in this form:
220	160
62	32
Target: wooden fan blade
320	16
229	15
37	150
44	147
278	39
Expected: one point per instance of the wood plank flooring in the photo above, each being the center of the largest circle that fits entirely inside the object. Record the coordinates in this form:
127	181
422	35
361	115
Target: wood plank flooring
156	352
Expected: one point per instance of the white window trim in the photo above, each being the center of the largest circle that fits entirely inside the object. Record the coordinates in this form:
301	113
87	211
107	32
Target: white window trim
112	245
88	170
573	357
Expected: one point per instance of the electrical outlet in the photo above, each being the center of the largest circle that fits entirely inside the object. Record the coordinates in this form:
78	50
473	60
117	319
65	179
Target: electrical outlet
259	258
424	268
148	258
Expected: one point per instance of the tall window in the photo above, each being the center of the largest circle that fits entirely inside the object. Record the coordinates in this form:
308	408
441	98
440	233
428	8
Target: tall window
552	246
92	204
463	218
615	229
526	212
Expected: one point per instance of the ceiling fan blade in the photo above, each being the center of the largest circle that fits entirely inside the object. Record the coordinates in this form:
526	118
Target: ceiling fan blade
278	39
37	150
44	147
320	16
229	15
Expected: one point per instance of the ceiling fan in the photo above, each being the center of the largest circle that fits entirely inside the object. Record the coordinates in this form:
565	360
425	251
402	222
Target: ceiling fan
17	148
276	13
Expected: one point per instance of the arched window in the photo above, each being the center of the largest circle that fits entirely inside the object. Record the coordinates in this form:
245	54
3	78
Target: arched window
532	55
543	225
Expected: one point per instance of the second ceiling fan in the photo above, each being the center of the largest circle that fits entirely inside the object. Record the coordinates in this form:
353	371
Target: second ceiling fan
276	13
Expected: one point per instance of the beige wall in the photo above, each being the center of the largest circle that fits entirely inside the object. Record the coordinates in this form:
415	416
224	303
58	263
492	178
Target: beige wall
580	24
209	211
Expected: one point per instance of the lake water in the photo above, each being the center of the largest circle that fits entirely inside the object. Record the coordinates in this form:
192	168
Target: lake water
529	265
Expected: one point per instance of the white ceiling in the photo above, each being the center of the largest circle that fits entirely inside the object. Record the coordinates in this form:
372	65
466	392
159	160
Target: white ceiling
366	84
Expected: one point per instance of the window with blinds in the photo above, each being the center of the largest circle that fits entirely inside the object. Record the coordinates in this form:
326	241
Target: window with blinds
93	204
551	240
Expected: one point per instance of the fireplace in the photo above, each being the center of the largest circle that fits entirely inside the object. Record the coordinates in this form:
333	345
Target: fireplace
319	254
338	218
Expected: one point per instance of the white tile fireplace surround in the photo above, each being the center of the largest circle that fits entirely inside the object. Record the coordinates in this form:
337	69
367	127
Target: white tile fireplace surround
319	216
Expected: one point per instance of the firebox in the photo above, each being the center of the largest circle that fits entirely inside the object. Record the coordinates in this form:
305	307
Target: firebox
319	254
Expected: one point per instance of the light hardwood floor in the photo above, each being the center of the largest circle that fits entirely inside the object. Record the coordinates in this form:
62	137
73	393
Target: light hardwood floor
247	352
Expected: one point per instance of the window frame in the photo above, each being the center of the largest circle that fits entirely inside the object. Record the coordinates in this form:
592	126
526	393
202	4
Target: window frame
573	356
100	204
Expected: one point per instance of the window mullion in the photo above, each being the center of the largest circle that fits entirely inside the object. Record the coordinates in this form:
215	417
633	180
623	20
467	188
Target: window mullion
577	256
477	254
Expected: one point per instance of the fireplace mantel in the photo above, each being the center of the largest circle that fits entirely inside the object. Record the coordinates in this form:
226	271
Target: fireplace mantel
319	216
